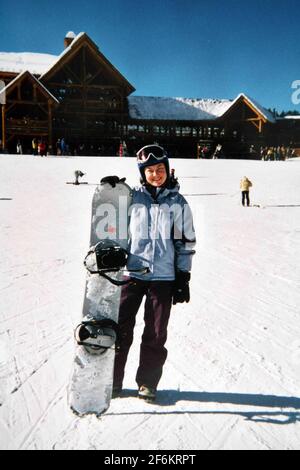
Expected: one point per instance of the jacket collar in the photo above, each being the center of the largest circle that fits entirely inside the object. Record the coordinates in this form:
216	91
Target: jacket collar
159	193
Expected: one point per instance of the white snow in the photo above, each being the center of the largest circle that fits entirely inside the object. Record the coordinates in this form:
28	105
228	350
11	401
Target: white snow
71	35
148	107
186	109
295	116
231	380
18	62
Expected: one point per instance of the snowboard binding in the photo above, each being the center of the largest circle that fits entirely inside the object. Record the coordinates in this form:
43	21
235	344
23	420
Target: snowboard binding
97	336
108	257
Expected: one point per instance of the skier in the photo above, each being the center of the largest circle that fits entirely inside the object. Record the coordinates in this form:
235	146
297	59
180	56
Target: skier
34	147
78	174
174	179
42	148
245	186
169	257
19	148
63	147
58	148
217	152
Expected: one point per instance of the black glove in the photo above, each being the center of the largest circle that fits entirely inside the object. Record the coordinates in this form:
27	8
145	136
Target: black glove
112	180
181	292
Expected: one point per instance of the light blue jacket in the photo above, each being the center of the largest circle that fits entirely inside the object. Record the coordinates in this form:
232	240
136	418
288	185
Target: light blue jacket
162	236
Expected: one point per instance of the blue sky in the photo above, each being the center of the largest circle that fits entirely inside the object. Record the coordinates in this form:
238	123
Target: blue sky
189	48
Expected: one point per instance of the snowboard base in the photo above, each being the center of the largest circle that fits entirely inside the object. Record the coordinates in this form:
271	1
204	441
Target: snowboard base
91	384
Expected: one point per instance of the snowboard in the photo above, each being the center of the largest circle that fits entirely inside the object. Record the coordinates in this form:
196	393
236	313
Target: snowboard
91	383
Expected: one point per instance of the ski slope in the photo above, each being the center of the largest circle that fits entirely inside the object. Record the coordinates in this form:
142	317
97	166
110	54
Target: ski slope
232	377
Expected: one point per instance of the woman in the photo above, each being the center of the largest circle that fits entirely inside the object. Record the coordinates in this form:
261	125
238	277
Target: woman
162	238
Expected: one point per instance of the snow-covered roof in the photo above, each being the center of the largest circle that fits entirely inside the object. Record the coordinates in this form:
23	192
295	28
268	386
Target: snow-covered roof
18	62
295	116
38	64
183	109
186	109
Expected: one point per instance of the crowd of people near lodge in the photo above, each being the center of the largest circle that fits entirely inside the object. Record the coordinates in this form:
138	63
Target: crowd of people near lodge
40	147
275	153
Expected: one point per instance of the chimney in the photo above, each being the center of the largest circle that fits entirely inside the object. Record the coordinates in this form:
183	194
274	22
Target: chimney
70	36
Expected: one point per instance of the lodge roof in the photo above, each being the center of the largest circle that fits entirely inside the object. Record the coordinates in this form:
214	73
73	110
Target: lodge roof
76	43
159	108
18	62
188	109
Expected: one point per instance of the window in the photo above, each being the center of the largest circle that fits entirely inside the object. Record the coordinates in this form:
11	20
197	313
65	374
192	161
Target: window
186	131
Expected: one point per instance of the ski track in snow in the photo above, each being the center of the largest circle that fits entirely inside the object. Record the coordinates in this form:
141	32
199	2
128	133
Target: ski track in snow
231	380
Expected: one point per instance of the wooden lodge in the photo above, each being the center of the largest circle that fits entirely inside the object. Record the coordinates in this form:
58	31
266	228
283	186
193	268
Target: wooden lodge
81	97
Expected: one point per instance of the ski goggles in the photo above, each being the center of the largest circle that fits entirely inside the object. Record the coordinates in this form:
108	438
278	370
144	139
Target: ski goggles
154	151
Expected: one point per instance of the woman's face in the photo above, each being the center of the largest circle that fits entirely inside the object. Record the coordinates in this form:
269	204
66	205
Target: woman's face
156	175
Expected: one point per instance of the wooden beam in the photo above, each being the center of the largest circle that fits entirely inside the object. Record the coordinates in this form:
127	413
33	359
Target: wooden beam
76	85
95	76
84	64
50	135
42	108
257	122
9	108
72	73
259	115
27	103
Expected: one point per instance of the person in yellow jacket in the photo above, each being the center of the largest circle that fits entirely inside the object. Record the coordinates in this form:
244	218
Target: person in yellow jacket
34	147
245	186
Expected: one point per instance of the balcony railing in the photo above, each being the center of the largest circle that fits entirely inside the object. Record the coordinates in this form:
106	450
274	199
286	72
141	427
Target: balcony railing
26	124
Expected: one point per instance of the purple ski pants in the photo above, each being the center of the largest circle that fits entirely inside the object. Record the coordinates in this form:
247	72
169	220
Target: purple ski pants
153	354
